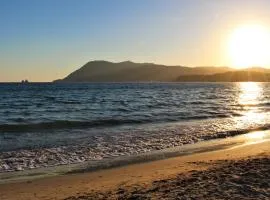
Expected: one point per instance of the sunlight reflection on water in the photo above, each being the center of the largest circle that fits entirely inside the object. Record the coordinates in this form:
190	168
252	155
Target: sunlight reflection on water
250	94
256	137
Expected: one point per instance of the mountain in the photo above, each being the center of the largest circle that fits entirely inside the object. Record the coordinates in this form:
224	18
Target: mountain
231	76
104	71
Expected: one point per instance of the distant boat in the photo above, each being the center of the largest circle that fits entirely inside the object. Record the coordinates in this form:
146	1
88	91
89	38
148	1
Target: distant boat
25	81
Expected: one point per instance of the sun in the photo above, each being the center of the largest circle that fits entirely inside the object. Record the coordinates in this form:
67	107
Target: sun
249	45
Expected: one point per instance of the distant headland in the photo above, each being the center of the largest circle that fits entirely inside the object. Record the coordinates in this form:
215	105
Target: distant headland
104	71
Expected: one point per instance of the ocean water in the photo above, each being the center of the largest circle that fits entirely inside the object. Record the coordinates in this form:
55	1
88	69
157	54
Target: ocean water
46	124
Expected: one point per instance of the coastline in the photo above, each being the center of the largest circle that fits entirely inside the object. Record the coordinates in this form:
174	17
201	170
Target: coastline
78	184
102	148
120	161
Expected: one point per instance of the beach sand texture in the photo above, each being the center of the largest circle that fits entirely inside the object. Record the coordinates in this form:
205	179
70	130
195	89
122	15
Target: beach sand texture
241	179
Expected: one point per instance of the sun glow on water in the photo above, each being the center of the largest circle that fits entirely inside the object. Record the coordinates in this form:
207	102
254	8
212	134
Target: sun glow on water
250	93
256	135
249	97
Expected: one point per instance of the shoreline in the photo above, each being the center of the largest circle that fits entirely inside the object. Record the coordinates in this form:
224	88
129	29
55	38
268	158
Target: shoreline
101	148
76	184
122	161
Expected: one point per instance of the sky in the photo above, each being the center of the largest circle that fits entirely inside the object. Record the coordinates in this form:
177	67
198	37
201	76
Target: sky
47	40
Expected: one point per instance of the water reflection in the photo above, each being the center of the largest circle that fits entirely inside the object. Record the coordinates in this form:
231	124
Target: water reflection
249	93
255	137
250	138
249	97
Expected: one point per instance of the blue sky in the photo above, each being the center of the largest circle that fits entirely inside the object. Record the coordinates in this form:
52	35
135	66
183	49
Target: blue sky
46	40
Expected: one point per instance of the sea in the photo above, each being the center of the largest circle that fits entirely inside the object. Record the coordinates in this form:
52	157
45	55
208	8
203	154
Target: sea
51	124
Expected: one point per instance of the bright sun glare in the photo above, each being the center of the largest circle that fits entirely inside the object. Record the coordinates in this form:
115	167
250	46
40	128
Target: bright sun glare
249	46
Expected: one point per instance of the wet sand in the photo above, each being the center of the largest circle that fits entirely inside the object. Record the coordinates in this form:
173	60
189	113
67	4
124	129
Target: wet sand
237	173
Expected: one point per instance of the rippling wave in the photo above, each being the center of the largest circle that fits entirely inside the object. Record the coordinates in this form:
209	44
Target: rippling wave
65	124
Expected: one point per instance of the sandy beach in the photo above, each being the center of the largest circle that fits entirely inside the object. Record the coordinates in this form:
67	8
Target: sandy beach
239	172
